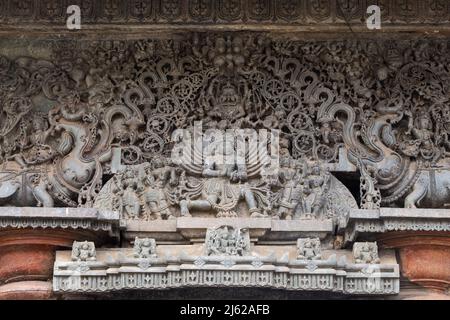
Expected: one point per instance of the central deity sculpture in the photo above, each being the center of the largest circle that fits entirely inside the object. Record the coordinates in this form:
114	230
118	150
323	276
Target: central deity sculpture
226	181
99	134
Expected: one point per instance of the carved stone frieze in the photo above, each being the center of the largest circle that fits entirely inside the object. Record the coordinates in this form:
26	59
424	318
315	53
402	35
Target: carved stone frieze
226	159
381	108
187	270
164	191
227	11
363	222
309	249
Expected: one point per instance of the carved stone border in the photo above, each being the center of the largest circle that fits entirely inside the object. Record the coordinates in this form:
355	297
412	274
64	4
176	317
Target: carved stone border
63	218
305	15
396	219
166	273
226	11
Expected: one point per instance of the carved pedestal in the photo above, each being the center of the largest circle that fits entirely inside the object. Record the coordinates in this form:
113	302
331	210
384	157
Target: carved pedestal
424	257
29	239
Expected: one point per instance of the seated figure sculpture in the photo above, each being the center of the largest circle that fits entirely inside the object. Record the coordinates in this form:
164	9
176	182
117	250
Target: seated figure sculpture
225	184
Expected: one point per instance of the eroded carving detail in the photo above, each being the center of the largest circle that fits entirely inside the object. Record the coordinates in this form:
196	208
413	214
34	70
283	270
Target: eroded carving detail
391	117
309	249
83	251
365	252
144	248
227	241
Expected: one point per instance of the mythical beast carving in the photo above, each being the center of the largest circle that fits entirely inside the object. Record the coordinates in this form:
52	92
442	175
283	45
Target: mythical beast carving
386	105
399	173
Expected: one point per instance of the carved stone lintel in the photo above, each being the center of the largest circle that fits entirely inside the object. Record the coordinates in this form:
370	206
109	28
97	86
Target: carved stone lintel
232	271
60	218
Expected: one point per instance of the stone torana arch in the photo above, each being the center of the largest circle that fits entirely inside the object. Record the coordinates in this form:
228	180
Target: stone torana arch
237	146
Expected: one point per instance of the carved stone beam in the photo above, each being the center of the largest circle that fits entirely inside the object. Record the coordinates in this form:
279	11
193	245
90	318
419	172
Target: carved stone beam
194	229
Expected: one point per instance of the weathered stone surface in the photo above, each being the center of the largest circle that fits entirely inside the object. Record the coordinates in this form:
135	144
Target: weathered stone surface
267	267
194	229
304	16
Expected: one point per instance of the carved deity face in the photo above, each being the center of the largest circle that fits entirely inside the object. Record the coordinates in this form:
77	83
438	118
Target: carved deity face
237	45
424	123
365	247
382	73
220	45
38	124
229	95
224	233
132	209
315	171
307	244
158	163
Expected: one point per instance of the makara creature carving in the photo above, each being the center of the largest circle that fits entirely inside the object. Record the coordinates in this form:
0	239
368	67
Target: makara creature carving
385	107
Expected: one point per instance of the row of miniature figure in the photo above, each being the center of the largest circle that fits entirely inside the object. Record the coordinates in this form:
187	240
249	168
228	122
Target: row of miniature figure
229	241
